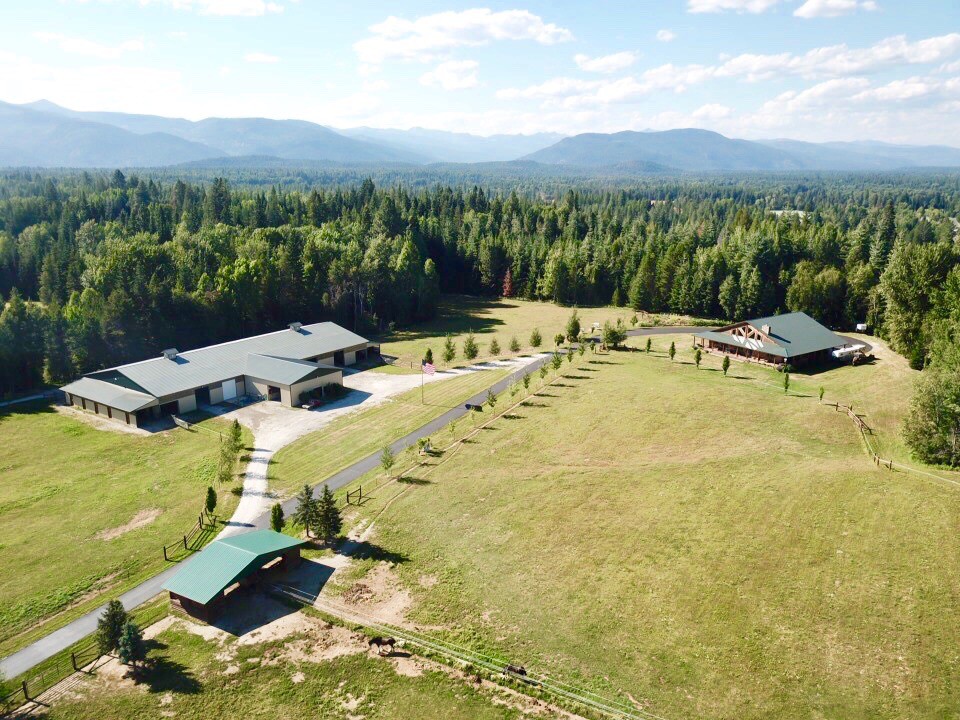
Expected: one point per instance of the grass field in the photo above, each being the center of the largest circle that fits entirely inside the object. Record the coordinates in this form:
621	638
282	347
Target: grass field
502	319
84	512
194	678
343	442
706	544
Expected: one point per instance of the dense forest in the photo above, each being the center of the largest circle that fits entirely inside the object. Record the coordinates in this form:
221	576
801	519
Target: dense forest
99	269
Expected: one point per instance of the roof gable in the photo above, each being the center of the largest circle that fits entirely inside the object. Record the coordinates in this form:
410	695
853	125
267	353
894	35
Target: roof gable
790	335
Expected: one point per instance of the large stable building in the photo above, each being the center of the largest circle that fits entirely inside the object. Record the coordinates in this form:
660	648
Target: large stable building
280	366
794	338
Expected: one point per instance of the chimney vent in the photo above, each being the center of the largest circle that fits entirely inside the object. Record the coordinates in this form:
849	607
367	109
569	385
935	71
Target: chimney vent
765	329
295	326
171	353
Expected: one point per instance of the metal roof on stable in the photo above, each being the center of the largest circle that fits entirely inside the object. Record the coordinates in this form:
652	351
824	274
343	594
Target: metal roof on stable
226	561
285	371
792	334
107	393
162	377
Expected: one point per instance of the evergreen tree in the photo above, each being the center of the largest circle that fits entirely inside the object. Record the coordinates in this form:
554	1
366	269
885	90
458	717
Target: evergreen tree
57	364
470	348
210	504
131	649
725	364
514	344
330	522
277	521
697	357
428	356
236	437
307	512
110	627
535	339
672	352
449	349
573	327
387	459
494	347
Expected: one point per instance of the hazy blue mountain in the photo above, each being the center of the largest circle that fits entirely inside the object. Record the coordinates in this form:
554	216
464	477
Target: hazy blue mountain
689	150
41	139
441	146
904	155
291	139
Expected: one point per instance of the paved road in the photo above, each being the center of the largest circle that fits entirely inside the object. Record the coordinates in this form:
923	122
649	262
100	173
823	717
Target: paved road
63	638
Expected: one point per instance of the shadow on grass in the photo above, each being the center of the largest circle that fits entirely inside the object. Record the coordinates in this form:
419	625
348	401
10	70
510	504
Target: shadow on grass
579	377
545	394
513	416
414	481
366	550
161	674
528	403
604	362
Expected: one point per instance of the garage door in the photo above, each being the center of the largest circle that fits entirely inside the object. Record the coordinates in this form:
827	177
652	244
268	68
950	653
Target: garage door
229	389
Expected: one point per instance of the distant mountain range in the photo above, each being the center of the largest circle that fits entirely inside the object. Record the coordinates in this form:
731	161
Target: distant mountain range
42	134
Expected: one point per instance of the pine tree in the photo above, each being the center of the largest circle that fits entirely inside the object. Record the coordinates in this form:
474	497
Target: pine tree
508	283
277	521
307	512
57	364
535	339
491	398
330	522
236	437
494	347
449	349
470	348
673	350
387	459
697	357
110	627
428	356
649	345
211	502
726	364
514	344
573	326
131	649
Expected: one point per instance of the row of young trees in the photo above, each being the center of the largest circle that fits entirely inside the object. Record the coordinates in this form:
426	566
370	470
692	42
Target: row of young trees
100	269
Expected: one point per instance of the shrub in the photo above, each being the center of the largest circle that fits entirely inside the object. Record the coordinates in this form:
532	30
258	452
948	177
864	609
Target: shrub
535	339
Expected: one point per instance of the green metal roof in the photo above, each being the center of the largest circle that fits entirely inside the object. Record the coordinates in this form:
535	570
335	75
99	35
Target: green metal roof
107	393
792	334
223	562
285	371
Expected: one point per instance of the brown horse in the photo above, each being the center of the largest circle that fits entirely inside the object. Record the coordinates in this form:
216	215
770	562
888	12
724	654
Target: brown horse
379	643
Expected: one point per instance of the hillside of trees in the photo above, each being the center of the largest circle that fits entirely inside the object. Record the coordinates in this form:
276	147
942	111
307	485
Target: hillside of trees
100	269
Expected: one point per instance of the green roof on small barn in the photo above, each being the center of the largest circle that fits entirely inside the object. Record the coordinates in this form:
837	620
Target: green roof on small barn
226	561
793	334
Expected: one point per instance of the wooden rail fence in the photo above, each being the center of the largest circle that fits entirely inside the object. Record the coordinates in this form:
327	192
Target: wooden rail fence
204	521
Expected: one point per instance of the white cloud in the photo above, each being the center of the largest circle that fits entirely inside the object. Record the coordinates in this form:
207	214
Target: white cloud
223	8
740	6
452	75
953	67
832	8
712	111
429	36
606	63
89	48
838	60
666	35
261	57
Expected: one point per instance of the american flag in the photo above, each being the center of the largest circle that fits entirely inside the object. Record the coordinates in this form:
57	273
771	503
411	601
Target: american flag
428	368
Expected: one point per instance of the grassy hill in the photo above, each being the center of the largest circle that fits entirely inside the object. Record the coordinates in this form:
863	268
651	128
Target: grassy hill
706	545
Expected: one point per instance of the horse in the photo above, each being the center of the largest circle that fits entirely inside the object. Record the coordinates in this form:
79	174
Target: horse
379	643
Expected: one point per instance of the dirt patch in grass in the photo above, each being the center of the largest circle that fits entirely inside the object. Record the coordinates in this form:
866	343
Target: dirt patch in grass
141	519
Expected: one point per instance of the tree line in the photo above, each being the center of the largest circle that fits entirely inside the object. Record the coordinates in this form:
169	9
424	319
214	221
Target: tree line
100	269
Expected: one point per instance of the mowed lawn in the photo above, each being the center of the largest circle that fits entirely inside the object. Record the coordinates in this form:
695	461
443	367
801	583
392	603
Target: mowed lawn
84	512
315	457
191	680
503	318
707	545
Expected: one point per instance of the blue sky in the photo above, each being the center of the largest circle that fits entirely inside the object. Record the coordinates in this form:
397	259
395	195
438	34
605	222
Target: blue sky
805	69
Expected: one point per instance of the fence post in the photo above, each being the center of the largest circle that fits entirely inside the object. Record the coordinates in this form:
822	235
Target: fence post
26	695
165	554
185	543
73	661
